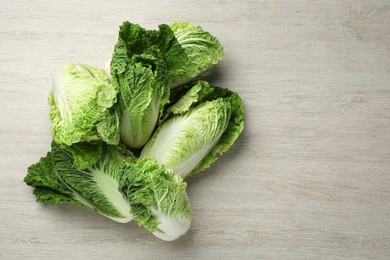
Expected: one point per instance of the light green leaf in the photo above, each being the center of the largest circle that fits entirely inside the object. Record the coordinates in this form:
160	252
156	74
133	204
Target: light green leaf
80	99
230	135
183	141
158	199
186	96
201	125
202	49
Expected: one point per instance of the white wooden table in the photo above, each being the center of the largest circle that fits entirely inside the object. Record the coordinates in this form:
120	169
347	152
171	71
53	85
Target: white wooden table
308	179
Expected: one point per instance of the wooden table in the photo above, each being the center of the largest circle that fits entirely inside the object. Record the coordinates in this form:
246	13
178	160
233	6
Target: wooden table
308	179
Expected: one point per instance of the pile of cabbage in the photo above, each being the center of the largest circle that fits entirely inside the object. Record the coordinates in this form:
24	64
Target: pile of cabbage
126	137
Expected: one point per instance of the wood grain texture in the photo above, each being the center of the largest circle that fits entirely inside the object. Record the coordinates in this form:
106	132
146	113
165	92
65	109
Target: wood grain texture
308	179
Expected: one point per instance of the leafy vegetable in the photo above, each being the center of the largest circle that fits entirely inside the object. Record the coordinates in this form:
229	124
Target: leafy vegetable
57	180
202	49
203	123
80	110
158	199
146	98
80	100
188	50
139	70
142	95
